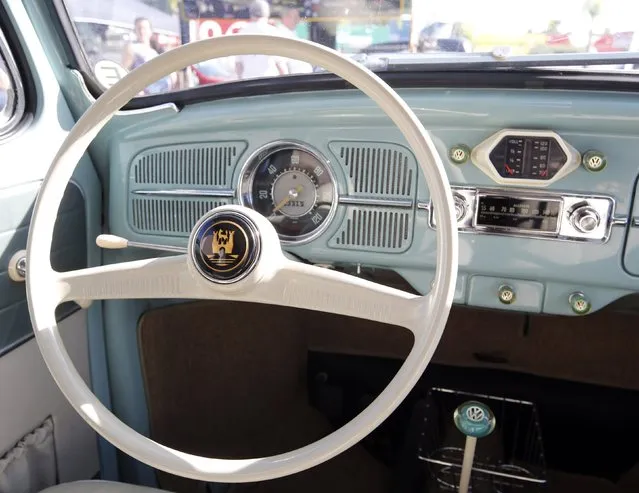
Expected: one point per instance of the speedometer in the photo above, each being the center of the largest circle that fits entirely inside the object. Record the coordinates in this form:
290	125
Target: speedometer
293	186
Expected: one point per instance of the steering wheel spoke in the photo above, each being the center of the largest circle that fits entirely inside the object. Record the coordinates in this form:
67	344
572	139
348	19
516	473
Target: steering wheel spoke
163	277
316	288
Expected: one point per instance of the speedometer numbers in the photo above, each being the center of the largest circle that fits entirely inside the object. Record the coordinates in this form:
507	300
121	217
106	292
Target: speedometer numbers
293	186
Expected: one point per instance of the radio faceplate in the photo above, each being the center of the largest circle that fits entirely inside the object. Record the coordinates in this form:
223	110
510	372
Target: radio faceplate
562	216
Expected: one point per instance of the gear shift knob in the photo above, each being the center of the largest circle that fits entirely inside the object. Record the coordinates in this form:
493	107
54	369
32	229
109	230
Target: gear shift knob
475	420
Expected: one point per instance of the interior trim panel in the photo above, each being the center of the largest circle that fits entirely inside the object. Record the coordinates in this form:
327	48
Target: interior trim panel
68	252
577	160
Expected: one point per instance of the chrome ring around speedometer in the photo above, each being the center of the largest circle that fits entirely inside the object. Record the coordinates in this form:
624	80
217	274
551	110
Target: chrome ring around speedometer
292	185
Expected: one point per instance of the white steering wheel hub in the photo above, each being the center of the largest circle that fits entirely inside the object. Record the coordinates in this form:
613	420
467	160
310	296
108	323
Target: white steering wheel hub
234	254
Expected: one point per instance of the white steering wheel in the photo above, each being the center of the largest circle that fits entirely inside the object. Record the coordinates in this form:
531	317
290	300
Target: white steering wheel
259	273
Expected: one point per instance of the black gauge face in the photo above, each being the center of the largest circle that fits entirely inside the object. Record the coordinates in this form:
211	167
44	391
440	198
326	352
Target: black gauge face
532	158
293	188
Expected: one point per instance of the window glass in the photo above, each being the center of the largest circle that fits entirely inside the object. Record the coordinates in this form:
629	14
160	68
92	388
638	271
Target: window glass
119	35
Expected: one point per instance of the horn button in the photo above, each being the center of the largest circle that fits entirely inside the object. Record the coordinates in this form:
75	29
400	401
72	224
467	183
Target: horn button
225	246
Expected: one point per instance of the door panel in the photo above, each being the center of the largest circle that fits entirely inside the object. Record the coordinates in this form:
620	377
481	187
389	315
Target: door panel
34	396
28	395
68	252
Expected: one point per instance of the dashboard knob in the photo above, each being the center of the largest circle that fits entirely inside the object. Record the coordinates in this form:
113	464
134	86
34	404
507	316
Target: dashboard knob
594	161
584	219
506	294
461	207
579	303
459	154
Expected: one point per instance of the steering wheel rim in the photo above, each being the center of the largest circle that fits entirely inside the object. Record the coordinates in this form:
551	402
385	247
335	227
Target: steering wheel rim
47	288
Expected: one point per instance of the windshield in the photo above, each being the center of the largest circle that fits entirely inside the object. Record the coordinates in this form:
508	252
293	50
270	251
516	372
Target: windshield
119	35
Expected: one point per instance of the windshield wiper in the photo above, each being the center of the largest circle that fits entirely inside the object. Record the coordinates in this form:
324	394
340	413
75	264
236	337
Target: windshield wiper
490	61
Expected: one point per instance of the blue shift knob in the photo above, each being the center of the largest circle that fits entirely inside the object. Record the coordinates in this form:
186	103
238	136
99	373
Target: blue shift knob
474	419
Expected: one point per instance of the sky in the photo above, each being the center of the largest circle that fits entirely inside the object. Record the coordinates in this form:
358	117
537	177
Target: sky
520	15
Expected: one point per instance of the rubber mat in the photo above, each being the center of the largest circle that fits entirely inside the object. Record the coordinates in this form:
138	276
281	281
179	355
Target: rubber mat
228	380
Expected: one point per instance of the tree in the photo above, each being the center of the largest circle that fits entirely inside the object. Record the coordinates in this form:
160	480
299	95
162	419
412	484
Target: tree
593	9
553	27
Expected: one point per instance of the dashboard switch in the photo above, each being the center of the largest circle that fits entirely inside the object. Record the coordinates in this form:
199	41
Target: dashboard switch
579	303
506	294
585	219
594	161
459	153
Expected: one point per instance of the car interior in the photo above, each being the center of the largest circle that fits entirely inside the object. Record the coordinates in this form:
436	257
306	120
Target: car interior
417	279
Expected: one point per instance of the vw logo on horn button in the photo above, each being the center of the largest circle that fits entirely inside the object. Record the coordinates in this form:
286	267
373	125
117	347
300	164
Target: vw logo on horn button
225	247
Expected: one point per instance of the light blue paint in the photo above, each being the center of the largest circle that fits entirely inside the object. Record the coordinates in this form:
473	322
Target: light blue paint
605	121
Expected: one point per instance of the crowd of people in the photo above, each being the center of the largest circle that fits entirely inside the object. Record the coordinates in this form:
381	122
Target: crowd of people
144	47
252	66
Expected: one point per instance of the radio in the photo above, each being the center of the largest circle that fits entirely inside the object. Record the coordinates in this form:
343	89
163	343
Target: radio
527	213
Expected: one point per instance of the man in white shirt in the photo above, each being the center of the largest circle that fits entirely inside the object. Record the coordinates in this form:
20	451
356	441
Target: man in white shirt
290	19
252	66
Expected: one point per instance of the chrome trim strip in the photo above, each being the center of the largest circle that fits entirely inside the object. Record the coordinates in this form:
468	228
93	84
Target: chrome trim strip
350	200
189	192
490	472
12	114
635	222
424	206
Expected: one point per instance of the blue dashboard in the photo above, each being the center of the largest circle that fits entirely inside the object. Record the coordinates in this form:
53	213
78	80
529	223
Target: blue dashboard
544	183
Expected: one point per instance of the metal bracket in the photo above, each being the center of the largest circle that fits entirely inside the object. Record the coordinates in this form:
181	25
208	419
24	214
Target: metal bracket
18	266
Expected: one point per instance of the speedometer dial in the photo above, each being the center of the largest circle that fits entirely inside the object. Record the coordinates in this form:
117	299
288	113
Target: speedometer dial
293	186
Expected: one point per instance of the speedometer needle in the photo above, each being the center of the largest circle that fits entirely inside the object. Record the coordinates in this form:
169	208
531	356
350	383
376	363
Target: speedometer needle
286	200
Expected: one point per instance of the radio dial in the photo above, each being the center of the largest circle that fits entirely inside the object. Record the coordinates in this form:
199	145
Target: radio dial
584	219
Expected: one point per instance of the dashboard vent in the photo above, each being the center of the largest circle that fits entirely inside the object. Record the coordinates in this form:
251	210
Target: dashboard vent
377	169
379	229
194	165
169	216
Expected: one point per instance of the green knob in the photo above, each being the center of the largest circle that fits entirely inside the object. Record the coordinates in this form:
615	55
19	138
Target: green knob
459	154
594	161
506	294
579	303
474	419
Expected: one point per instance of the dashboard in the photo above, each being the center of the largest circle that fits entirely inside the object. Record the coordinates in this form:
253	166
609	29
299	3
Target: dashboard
543	184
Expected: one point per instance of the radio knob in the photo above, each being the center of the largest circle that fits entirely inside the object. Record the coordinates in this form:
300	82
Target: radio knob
460	208
584	219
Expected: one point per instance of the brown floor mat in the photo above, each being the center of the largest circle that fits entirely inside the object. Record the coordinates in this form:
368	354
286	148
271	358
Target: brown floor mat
228	380
600	348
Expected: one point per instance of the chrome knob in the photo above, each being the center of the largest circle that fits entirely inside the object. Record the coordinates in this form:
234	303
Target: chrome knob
585	219
460	209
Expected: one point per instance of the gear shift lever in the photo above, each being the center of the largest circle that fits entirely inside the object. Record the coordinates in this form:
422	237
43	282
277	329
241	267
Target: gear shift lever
475	420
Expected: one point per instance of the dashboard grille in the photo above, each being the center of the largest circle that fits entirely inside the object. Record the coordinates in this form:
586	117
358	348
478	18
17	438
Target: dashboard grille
200	166
379	229
377	169
209	165
169	216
